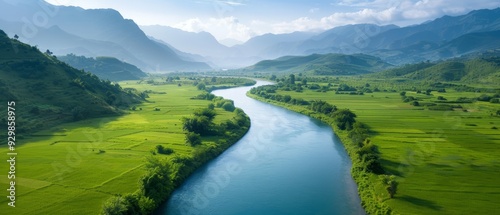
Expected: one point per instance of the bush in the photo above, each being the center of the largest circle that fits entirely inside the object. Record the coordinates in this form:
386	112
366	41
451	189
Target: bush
228	106
162	150
201	86
198	124
113	206
193	139
344	119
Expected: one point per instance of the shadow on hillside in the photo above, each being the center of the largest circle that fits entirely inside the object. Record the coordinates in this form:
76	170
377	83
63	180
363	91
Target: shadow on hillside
420	202
393	168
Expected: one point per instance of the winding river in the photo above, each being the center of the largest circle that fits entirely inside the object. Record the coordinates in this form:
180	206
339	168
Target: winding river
287	163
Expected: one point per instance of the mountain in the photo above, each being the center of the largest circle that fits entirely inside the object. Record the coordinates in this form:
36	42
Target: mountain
479	70
48	92
470	43
346	39
106	68
327	64
461	46
270	46
60	43
97	25
201	43
266	46
439	30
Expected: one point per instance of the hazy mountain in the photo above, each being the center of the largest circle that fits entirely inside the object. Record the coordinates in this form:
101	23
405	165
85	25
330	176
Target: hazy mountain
470	43
60	43
183	55
323	64
272	45
439	30
423	51
344	39
103	25
230	42
45	89
258	48
202	43
106	68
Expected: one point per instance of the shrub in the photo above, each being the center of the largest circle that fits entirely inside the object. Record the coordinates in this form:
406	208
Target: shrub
193	139
228	106
162	150
114	205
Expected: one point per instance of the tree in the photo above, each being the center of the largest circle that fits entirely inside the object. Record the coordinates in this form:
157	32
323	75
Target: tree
214	79
344	119
228	106
273	77
304	81
292	79
402	93
48	52
146	205
211	106
498	112
199	124
113	206
390	183
193	139
16	37
201	86
156	184
208	112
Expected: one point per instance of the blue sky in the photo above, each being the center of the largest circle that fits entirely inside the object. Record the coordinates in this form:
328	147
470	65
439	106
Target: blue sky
243	19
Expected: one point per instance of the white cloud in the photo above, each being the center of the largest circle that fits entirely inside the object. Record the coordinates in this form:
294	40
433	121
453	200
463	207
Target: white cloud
383	12
221	28
313	10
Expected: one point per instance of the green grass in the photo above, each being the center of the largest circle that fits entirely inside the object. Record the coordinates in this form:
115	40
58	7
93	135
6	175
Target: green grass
61	171
446	161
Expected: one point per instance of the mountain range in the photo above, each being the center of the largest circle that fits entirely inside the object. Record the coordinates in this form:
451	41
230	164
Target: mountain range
104	32
442	38
94	32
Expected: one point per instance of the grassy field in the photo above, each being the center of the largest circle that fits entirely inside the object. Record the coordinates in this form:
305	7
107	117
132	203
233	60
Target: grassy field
446	161
73	168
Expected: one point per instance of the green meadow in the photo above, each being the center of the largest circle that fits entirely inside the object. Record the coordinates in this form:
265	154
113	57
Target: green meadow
73	168
446	161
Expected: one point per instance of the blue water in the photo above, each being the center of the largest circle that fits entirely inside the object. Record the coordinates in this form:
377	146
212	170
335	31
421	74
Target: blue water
287	163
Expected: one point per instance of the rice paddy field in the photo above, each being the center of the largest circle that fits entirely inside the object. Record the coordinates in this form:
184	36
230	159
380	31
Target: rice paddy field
73	168
446	161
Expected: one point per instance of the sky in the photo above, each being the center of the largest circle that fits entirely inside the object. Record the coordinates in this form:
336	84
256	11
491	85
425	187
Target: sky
242	19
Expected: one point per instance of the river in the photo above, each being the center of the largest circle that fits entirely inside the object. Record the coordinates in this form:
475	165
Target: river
287	163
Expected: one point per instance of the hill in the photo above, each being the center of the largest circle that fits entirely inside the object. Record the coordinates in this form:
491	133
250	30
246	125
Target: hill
106	68
473	71
328	64
48	92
